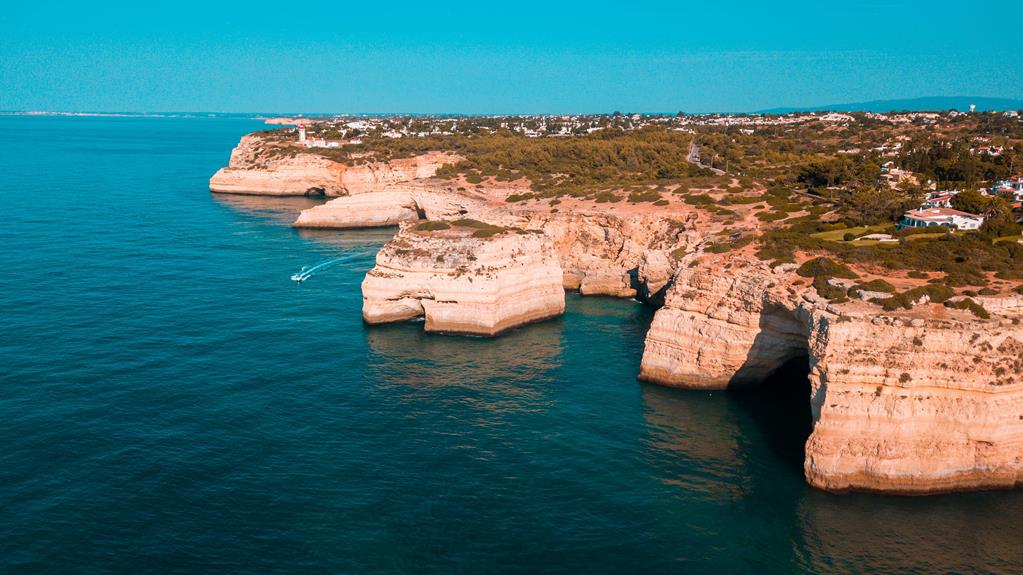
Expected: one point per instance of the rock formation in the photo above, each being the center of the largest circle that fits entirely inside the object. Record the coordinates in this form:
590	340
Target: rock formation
923	408
920	401
361	211
620	256
720	328
900	404
262	166
397	203
463	283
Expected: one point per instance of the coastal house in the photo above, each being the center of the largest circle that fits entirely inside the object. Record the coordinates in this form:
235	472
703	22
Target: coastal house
835	117
889	149
934	217
942	199
1010	185
895	176
993	151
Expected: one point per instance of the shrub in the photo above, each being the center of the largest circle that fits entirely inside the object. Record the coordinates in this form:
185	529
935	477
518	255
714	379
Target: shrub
968	304
483	229
699	200
849	236
432	226
876	285
644	196
605	197
818	267
937	293
828	291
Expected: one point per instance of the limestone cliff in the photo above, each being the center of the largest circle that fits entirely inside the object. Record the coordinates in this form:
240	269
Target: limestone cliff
931	407
921	403
462	283
720	328
263	166
396	203
621	256
361	211
600	253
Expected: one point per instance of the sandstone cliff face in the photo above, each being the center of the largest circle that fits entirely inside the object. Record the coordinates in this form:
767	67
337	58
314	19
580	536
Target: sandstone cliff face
263	167
464	284
916	409
600	254
721	328
397	203
899	405
604	254
361	211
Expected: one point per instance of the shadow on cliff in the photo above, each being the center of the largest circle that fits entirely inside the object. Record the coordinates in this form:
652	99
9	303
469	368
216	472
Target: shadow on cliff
780	407
773	385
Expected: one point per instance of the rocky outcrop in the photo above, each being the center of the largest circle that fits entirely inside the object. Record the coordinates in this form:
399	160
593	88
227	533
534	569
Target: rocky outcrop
605	254
721	328
260	168
904	408
361	211
463	283
899	404
397	203
265	165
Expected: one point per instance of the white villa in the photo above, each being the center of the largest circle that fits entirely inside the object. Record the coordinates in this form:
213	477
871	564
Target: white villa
942	199
1012	185
933	217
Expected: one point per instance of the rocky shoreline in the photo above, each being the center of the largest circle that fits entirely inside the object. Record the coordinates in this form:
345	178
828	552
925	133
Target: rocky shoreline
918	401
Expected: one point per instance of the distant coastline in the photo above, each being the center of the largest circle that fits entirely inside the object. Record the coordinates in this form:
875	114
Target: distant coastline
922	104
927	104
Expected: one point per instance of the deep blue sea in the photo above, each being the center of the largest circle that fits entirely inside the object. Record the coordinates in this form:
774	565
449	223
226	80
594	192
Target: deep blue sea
170	402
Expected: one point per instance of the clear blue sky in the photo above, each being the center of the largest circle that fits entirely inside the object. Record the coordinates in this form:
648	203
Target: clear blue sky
485	57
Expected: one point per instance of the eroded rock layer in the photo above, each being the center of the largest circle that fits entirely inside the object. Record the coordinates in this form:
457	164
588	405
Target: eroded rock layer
605	254
361	211
916	409
720	329
462	283
262	167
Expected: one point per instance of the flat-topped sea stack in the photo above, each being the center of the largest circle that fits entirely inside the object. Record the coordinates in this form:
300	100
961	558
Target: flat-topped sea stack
464	276
921	401
396	203
378	209
272	167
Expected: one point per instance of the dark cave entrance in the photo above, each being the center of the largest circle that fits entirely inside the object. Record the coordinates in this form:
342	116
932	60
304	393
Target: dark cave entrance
780	407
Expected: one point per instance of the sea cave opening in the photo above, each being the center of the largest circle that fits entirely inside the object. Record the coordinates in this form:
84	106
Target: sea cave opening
779	407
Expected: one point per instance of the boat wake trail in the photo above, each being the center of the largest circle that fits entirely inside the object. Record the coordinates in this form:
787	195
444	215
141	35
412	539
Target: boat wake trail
308	272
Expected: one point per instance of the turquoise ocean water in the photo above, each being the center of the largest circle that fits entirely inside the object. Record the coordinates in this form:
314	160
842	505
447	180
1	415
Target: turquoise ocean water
170	402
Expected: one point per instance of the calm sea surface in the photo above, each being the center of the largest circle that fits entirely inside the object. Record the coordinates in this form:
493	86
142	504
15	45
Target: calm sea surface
170	402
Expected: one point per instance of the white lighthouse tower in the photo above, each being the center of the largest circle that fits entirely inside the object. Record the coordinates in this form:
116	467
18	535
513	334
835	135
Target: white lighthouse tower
301	134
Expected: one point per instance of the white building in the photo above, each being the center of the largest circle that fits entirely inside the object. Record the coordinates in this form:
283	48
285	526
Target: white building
934	217
1012	186
942	199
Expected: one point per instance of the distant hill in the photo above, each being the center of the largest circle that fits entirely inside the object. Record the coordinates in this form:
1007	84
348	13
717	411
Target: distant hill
961	103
